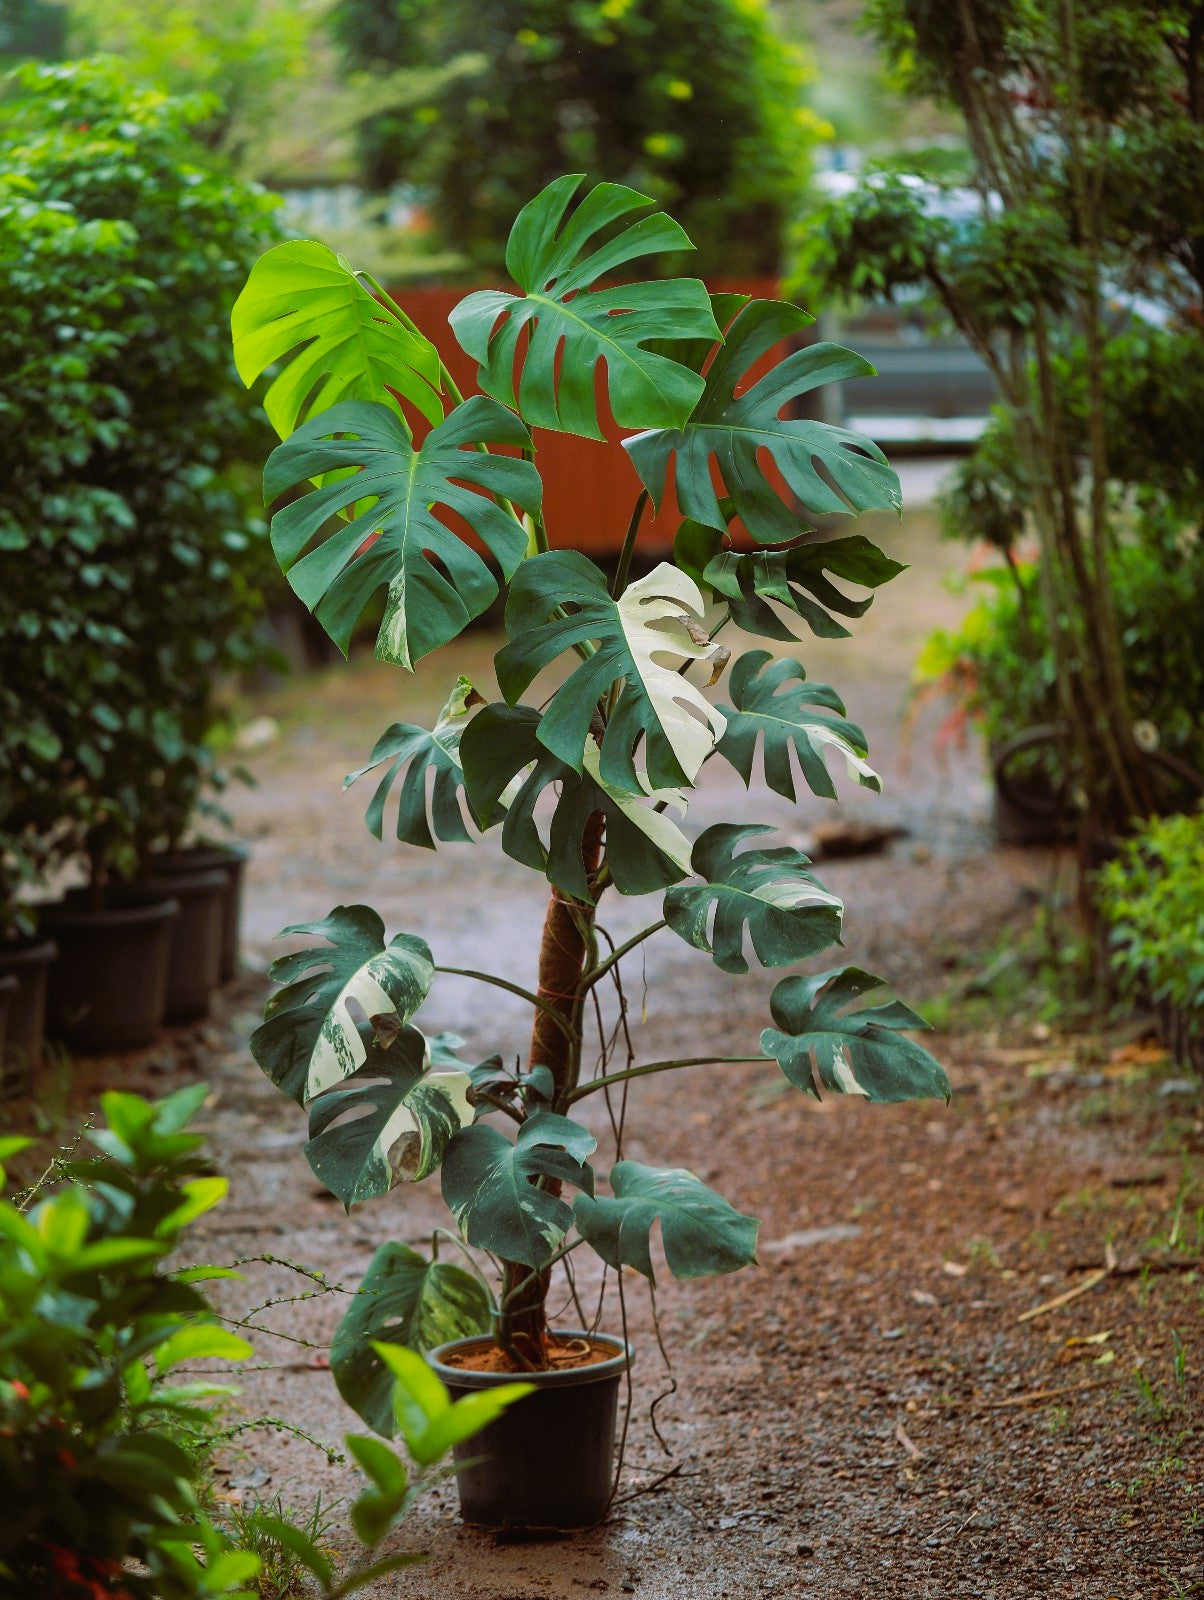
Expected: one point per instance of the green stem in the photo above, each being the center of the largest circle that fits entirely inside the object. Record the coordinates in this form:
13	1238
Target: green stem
511	988
623	570
658	1066
591	977
454	1238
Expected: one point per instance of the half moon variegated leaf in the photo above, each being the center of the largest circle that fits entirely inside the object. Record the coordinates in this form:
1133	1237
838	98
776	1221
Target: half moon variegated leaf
795	580
559	600
403	1299
774	702
732	429
571	326
490	1184
311	1036
304	307
701	1233
504	762
788	913
819	1045
436	582
389	1122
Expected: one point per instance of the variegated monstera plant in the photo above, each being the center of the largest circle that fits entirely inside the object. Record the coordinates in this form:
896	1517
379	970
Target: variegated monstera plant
584	784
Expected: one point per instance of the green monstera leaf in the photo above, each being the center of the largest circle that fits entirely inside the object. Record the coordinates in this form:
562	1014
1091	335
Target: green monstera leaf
388	1123
311	1038
560	599
817	1043
796	581
731	429
419	752
573	326
774	702
489	1184
304	307
788	912
403	1299
436	582
701	1233
505	765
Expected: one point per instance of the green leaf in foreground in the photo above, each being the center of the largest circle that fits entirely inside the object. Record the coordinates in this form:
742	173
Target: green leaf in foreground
701	1233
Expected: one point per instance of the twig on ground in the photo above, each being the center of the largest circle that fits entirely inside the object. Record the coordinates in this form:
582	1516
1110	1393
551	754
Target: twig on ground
1089	1282
674	1471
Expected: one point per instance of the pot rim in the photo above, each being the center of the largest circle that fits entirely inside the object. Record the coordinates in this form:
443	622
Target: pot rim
564	1378
35	951
187	858
71	919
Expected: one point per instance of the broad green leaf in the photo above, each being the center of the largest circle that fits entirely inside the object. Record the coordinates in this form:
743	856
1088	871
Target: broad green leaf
375	1508
732	429
431	1422
403	1299
310	1039
388	1123
701	1233
774	701
490	1184
200	1341
656	706
503	758
788	912
572	326
302	305
436	582
817	1044
298	1544
795	579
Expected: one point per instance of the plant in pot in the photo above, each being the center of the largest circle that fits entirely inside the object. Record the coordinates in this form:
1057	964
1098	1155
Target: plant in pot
398	482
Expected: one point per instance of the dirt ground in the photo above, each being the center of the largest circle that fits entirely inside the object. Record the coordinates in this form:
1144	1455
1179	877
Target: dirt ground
867	1413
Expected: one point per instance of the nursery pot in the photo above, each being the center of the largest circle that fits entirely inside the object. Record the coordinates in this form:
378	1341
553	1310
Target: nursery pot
28	961
108	989
194	970
228	859
547	1462
8	988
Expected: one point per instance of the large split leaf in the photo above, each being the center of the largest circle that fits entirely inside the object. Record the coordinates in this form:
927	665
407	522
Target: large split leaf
504	759
403	1299
572	326
490	1184
560	599
788	912
387	1123
419	751
796	580
311	1037
701	1233
732	429
818	1044
302	305
437	583
774	701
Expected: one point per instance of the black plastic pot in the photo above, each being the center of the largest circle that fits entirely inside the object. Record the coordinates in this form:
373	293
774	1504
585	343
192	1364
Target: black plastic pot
547	1462
195	968
28	961
8	990
108	988
228	859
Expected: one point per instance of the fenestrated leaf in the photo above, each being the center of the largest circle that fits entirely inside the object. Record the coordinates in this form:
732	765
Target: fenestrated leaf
573	326
310	1038
796	580
304	303
731	429
503	758
788	912
775	701
862	1052
560	599
420	752
489	1184
403	1299
701	1233
436	582
388	1123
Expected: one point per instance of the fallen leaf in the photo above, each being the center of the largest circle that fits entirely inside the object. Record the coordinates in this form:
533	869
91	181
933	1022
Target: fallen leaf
954	1269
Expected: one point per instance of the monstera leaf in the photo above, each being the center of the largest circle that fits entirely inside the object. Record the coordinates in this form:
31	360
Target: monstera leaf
419	752
572	326
850	1052
796	580
403	1299
701	1233
387	1123
311	1039
504	760
436	582
789	914
560	599
302	305
775	701
489	1184
732	429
